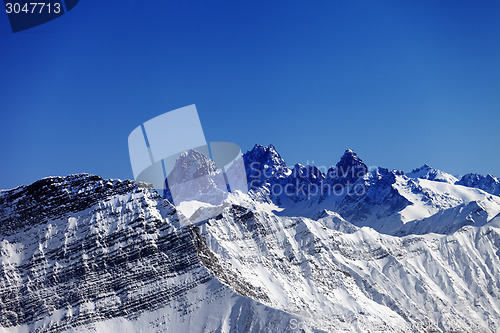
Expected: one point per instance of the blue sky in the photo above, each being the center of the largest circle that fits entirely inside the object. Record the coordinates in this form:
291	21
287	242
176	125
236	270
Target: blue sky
403	83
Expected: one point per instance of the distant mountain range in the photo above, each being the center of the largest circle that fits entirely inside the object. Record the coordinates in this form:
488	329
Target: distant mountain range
340	249
381	199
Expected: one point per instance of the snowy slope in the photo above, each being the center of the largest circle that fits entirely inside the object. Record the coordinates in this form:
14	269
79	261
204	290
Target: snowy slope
363	280
85	253
408	253
381	199
448	220
427	172
430	197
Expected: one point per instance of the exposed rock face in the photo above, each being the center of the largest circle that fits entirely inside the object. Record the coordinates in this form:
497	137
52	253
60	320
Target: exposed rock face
361	280
347	188
378	198
79	251
264	165
486	183
190	165
94	244
54	197
195	177
348	170
427	172
82	253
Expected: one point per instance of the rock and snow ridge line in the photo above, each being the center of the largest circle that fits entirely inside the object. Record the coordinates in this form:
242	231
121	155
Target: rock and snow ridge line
271	160
382	199
109	255
84	254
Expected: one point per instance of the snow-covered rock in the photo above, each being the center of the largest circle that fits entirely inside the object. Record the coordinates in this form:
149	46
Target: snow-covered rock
486	183
427	172
362	280
389	253
81	253
379	198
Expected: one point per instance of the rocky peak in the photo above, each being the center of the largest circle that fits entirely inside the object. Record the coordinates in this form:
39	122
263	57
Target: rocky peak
350	159
310	172
190	165
350	168
486	183
428	172
265	156
422	168
263	164
53	197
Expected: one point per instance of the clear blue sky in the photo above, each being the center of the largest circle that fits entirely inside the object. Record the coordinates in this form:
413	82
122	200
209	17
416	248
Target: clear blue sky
403	83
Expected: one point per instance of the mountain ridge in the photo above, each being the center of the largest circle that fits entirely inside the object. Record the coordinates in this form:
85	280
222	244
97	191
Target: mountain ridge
83	253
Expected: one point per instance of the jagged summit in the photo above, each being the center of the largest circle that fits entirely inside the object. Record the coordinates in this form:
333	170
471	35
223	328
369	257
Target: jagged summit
349	169
423	167
56	196
263	164
350	159
194	177
190	165
488	183
428	172
285	253
266	156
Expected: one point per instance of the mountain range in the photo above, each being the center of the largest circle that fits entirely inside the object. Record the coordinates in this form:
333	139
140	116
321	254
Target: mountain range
346	248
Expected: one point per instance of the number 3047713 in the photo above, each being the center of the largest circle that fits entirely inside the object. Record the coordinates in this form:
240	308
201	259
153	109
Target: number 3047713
32	8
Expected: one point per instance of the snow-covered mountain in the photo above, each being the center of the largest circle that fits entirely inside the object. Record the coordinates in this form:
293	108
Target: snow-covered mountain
362	280
488	183
426	172
82	253
381	199
347	250
195	177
